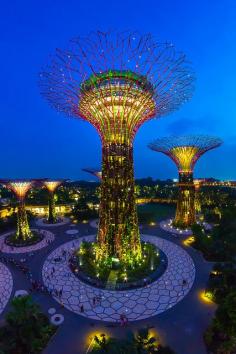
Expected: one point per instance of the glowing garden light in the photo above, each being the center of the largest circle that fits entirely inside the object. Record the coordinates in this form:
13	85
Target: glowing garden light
185	152
116	83
51	186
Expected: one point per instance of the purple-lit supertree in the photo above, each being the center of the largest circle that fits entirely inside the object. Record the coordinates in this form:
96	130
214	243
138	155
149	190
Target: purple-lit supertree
117	81
185	152
93	171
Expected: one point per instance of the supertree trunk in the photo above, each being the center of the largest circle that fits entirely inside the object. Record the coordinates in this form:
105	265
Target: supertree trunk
185	212
51	208
118	234
23	231
198	207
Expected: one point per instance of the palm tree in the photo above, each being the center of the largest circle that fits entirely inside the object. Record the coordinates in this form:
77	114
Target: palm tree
27	329
144	342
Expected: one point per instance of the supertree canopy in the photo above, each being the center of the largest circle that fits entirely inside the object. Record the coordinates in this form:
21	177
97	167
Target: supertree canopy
20	189
93	171
51	186
185	151
117	81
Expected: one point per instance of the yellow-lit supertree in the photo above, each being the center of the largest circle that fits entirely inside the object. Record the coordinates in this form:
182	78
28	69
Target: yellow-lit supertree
20	189
197	184
185	151
51	186
117	81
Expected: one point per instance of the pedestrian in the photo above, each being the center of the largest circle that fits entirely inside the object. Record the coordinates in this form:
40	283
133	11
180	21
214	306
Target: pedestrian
122	320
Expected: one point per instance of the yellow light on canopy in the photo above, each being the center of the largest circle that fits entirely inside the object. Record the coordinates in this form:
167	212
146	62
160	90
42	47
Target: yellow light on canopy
185	156
20	188
52	185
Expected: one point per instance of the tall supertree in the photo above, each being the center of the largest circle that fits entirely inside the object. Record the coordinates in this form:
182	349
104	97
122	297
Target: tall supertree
51	186
20	189
185	152
93	171
197	184
117	81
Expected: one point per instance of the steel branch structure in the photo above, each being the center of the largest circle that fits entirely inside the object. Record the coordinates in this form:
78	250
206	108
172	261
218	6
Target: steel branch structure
20	189
117	81
185	151
93	171
51	186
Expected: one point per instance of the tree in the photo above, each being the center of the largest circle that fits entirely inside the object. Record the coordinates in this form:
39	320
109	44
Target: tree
27	329
144	342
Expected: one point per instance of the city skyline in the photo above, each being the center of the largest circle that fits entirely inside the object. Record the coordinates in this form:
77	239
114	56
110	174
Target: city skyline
28	121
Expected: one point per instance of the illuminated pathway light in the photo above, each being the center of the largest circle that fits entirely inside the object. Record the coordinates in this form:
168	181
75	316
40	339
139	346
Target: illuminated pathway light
117	81
185	152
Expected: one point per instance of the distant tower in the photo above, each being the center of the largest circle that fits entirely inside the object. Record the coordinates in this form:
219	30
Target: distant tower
93	171
185	151
20	189
117	81
51	186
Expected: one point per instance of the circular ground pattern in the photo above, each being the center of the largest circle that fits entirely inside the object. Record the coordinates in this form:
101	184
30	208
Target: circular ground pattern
72	232
6	285
41	223
57	319
20	293
136	304
48	238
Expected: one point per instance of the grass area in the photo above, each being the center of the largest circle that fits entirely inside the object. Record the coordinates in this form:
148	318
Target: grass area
13	240
153	212
85	261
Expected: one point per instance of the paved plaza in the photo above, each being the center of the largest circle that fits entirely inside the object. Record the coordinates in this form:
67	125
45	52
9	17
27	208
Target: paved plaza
47	239
42	222
178	315
136	304
6	285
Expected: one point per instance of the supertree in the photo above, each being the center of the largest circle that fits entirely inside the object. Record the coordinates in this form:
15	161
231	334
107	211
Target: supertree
20	189
117	81
185	152
197	184
51	186
93	171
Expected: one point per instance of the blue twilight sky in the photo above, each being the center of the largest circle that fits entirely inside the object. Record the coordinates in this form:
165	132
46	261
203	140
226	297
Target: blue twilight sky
36	141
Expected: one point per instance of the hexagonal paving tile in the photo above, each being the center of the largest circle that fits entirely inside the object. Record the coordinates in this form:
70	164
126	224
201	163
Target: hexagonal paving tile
136	304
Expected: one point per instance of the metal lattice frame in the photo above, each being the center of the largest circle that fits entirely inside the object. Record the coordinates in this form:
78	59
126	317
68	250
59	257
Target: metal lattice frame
93	171
117	81
185	151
